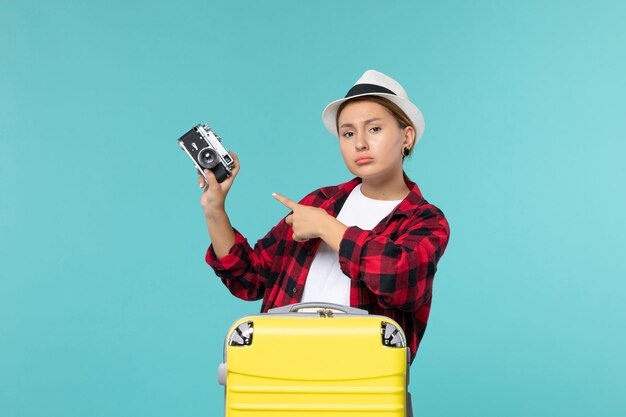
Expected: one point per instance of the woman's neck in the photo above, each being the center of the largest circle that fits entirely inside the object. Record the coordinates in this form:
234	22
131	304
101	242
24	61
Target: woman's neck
390	189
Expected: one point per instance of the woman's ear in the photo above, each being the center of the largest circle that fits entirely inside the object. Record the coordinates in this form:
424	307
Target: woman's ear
409	137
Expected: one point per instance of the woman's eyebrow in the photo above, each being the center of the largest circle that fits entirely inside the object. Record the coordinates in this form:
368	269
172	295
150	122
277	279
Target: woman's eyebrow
373	119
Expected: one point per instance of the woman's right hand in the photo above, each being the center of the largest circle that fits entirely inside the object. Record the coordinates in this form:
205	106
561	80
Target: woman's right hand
214	193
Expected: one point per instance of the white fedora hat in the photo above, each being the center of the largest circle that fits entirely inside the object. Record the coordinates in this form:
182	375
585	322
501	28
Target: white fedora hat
375	83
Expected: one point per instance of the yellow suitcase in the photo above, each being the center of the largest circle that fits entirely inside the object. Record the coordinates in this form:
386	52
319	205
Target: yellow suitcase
331	360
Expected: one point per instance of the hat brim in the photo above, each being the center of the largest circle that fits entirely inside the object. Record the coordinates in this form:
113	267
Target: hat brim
329	115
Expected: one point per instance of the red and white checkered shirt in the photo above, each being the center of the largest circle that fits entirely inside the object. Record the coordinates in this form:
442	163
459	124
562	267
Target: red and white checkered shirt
391	267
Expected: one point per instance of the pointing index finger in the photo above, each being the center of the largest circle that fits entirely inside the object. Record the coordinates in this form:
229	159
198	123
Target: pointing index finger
285	201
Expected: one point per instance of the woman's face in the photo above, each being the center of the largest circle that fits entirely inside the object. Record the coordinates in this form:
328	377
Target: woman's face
371	142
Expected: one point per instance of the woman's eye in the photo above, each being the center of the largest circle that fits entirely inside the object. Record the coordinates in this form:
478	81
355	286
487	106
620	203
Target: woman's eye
347	134
375	129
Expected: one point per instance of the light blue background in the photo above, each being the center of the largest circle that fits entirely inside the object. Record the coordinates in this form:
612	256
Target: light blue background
106	305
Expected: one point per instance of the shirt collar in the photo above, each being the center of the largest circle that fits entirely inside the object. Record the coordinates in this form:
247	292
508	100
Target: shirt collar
335	197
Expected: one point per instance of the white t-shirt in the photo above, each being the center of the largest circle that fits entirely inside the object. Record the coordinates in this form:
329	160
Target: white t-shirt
325	281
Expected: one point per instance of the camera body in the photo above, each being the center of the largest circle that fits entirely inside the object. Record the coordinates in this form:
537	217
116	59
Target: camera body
205	149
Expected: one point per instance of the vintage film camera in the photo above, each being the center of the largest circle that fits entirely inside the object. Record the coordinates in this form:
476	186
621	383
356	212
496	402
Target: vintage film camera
205	149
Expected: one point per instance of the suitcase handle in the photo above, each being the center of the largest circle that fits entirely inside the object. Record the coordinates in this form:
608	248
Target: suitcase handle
292	308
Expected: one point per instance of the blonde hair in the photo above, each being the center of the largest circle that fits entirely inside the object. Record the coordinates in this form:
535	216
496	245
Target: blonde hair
397	113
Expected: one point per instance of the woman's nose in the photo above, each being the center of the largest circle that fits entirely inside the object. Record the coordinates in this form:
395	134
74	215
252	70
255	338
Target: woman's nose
360	142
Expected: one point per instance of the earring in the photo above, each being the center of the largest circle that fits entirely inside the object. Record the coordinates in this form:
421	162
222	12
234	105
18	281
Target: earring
405	151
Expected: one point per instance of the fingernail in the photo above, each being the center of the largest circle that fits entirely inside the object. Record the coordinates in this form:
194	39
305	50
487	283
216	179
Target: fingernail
273	194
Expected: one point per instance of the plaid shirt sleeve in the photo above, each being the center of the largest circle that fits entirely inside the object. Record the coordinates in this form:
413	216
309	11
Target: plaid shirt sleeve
273	270
245	271
399	269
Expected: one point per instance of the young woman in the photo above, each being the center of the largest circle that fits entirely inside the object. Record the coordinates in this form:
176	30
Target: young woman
371	243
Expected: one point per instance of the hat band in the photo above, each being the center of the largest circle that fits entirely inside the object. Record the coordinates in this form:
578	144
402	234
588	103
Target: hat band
367	88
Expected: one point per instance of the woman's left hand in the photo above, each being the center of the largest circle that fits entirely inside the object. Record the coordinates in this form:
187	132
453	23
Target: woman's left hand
306	222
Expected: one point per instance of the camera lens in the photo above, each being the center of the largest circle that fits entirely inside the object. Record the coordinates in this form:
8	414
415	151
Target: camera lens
208	158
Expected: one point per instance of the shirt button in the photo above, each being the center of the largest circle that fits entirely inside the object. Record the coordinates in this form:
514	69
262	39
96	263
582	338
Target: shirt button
295	290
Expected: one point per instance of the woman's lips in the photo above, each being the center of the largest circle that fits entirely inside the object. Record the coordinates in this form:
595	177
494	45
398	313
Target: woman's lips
363	161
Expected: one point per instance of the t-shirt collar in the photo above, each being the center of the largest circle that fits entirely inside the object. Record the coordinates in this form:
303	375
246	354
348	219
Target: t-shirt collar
406	207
